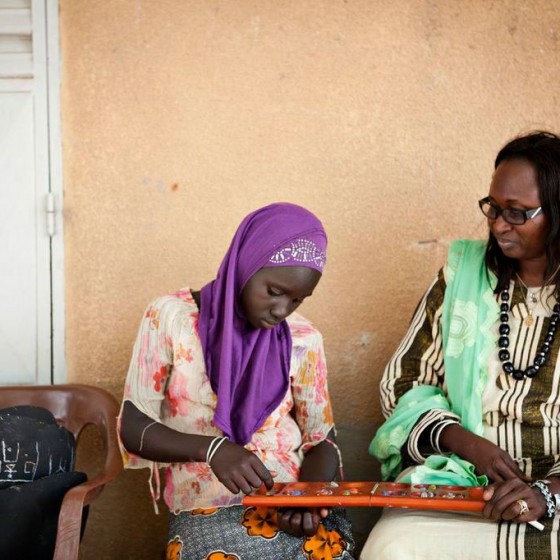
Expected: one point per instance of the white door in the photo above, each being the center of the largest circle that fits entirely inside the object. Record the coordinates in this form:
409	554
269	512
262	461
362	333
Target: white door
30	189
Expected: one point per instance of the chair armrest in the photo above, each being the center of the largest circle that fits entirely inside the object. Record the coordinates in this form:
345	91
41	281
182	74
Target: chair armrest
70	517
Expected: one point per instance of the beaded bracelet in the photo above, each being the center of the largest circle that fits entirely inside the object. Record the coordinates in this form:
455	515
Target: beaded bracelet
542	487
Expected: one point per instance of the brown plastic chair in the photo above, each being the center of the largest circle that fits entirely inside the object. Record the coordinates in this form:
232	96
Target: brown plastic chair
74	407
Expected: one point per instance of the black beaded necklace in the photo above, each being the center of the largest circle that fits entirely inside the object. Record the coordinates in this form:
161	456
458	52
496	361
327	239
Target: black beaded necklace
503	341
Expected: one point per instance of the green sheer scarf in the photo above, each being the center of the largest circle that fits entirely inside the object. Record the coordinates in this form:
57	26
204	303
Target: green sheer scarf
469	311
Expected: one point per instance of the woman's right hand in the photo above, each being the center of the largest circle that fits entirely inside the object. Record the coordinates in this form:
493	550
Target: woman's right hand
487	458
239	470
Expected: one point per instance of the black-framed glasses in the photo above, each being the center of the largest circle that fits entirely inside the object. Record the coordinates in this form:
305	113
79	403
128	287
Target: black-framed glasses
513	216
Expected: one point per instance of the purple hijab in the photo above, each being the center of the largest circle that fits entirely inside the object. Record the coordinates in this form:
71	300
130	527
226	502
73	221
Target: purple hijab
249	368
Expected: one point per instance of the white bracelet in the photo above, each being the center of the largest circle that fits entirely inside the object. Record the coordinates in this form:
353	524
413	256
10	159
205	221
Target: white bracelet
142	436
213	447
438	431
209	450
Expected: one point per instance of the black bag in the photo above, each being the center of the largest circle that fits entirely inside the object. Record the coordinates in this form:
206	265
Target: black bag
33	445
37	457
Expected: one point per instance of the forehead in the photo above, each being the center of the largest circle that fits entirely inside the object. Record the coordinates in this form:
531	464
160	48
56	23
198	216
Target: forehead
291	278
515	180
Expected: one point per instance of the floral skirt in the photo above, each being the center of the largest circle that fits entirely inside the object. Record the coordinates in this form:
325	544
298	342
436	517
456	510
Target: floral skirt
238	533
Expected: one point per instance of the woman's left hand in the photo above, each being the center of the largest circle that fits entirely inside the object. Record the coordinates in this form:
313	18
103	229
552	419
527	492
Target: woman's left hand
301	522
506	500
319	464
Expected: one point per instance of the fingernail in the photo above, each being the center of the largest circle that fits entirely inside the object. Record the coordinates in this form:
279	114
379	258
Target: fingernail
273	474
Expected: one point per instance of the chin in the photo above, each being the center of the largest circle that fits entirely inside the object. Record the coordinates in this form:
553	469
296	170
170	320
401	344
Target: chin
511	254
511	251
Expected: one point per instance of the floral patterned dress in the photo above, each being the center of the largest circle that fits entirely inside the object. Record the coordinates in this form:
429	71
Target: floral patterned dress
167	381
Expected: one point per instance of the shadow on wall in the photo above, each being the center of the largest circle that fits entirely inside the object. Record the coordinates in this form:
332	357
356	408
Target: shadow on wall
359	466
123	525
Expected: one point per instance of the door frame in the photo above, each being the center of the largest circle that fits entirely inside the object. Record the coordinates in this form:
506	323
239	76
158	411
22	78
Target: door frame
42	81
58	325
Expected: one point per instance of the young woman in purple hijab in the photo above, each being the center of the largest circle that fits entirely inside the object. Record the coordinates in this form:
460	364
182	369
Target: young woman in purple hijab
227	391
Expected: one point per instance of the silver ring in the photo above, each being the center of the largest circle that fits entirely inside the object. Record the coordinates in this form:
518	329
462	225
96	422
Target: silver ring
523	507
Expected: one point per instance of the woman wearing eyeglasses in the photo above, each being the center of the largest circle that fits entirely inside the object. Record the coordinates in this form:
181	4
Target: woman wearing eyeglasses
472	394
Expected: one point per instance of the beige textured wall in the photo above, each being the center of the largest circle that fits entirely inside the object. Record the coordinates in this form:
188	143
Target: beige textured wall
181	116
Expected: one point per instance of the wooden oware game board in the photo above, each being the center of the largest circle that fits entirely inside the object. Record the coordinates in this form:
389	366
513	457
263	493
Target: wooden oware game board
369	494
372	494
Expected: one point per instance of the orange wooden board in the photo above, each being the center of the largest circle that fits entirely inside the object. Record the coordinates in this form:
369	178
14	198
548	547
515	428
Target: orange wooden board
369	494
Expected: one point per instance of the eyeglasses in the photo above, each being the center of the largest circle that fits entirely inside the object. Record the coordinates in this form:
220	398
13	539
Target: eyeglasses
513	216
